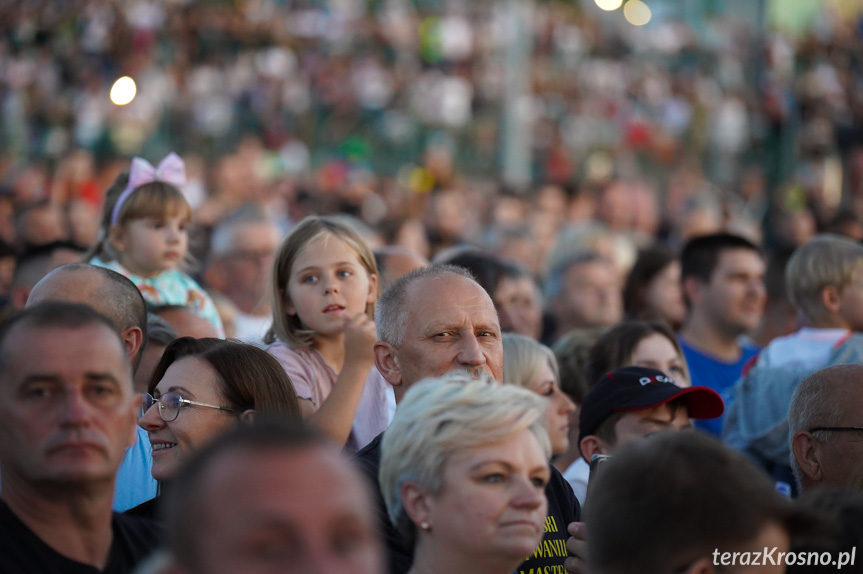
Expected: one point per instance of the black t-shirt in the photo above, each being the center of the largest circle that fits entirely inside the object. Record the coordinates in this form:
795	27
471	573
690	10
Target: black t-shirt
149	509
22	552
563	508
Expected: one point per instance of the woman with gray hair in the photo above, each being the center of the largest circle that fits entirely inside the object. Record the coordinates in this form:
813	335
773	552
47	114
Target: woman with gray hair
463	471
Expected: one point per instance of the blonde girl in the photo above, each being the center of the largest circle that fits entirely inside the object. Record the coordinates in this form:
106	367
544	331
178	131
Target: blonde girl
325	285
144	236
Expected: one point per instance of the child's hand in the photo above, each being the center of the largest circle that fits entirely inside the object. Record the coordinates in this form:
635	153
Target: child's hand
360	337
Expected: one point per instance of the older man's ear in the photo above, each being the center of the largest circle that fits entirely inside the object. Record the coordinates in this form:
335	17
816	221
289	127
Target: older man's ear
805	450
387	364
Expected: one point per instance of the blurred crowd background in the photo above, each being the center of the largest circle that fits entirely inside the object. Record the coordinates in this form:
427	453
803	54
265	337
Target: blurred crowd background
741	115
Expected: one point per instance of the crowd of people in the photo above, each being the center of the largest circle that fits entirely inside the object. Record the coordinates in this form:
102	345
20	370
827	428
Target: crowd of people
323	336
392	112
480	420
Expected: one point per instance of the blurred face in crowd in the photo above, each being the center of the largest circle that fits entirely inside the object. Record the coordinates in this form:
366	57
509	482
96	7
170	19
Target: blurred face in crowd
451	325
591	295
67	411
42	225
263	516
657	352
398	261
734	298
247	266
519	306
559	408
665	294
174	441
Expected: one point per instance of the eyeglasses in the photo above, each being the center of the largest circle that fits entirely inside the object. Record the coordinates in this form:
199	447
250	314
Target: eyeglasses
170	405
836	429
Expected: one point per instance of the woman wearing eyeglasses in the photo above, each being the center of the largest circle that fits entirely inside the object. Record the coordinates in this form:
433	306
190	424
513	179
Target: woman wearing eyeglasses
203	387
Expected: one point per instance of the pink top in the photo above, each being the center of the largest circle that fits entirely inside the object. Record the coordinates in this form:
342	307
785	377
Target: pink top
313	380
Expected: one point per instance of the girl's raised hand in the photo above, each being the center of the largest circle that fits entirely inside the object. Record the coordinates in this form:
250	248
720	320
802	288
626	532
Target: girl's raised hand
360	337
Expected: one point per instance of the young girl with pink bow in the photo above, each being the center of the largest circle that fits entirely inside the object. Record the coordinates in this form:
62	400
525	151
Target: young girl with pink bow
144	236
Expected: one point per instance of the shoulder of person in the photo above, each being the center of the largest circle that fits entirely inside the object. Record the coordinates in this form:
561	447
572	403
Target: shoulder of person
137	536
368	458
560	494
850	347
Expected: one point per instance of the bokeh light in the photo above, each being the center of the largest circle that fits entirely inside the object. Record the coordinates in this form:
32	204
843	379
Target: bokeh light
636	12
609	5
123	91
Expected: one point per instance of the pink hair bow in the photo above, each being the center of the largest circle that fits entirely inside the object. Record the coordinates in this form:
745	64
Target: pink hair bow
170	170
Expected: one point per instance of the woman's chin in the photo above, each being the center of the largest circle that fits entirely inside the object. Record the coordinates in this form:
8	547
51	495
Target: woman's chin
520	547
163	471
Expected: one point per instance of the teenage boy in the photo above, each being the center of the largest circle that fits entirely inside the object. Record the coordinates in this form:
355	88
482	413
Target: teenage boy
636	401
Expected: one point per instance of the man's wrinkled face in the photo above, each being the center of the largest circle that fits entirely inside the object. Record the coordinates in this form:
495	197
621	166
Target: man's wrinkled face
452	325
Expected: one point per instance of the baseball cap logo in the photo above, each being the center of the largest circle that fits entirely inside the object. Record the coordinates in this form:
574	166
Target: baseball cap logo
661	378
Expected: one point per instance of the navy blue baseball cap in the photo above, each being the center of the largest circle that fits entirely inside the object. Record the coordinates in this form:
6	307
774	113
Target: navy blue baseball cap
637	388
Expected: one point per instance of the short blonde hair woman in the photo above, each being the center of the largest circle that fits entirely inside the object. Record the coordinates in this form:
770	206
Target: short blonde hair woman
463	471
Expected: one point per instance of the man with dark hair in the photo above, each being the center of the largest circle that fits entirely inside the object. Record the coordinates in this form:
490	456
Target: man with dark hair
682	502
723	286
432	321
67	414
115	297
271	493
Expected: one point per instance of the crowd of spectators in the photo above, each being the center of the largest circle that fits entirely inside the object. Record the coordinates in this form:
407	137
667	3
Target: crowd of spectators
392	111
338	197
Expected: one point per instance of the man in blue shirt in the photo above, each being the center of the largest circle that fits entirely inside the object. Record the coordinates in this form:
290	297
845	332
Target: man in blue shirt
723	285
